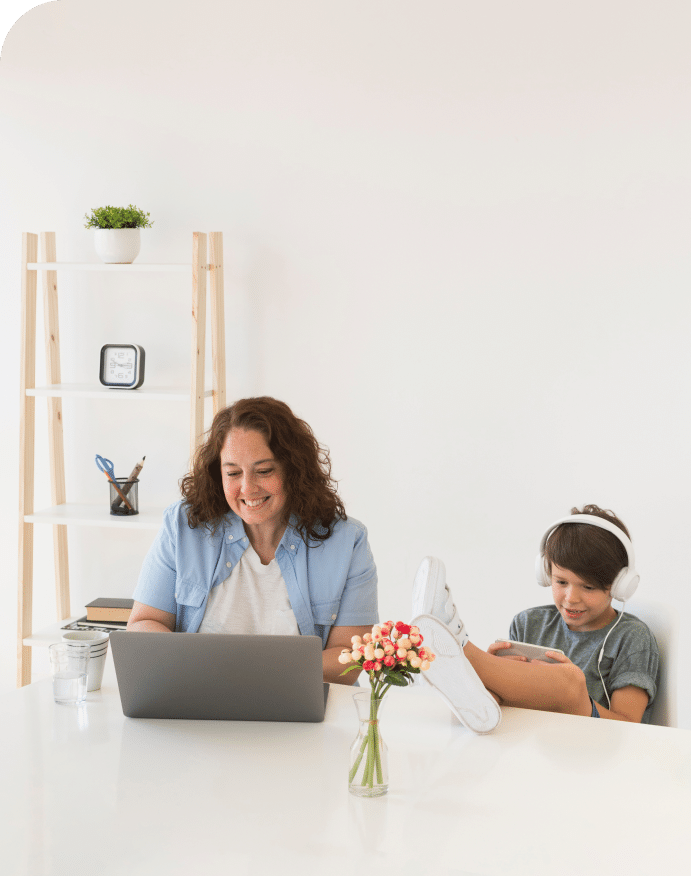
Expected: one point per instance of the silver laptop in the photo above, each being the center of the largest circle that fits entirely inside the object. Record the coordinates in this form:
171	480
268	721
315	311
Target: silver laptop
222	677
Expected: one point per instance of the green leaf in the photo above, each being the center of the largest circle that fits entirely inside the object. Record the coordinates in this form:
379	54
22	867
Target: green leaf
117	217
350	668
396	678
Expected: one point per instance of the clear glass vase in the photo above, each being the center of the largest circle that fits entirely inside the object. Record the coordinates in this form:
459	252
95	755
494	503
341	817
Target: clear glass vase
369	759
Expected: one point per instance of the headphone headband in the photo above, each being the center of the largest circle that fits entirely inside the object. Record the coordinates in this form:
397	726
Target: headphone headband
626	582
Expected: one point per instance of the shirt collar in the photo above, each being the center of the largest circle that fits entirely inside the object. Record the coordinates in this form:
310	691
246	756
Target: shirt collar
291	539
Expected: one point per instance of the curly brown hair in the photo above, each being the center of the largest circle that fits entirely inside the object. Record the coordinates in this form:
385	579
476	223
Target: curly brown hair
594	554
310	489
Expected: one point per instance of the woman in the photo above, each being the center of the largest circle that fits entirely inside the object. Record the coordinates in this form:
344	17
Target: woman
260	542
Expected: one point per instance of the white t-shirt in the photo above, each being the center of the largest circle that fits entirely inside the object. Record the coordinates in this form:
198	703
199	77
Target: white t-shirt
252	599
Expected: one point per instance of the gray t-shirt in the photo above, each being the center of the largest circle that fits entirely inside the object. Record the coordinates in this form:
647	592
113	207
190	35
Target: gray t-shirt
631	656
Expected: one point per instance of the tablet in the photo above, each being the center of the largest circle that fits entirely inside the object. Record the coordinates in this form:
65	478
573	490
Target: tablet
525	649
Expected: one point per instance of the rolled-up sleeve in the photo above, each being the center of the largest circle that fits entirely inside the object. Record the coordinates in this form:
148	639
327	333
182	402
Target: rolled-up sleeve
359	604
156	584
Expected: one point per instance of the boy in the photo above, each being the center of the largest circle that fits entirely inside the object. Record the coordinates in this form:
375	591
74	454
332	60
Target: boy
609	668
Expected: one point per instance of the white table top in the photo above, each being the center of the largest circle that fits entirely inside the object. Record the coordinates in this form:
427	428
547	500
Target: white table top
85	790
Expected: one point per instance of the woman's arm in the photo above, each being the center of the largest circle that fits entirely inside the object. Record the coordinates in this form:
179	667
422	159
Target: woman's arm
340	638
146	619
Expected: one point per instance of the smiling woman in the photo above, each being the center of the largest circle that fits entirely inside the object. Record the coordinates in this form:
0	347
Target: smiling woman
260	542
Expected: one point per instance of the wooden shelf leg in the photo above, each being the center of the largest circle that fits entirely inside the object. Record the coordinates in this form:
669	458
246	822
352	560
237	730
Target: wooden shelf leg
55	424
199	273
27	422
218	339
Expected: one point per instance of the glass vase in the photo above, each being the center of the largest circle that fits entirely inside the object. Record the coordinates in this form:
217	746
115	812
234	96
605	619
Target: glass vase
369	760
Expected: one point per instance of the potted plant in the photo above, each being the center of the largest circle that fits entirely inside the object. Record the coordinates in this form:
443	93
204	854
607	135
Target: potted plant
116	238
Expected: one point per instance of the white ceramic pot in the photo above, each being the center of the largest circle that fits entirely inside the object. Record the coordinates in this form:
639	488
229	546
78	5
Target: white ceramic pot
117	246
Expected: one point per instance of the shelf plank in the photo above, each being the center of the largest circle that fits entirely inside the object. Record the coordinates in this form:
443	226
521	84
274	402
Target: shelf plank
96	515
102	266
49	635
93	390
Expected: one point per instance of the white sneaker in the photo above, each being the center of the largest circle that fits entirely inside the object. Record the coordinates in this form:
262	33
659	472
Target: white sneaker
455	680
431	595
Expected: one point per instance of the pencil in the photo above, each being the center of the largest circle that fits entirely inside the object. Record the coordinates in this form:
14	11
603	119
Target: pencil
118	490
128	486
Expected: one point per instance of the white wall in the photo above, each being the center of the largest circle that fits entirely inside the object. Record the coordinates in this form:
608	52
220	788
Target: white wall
457	243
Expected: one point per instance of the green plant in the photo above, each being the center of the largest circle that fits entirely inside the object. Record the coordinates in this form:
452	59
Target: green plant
117	217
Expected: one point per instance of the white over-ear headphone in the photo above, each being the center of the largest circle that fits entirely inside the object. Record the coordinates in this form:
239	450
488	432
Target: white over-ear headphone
626	582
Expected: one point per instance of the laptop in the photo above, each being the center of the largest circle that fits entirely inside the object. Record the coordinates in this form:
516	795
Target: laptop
203	676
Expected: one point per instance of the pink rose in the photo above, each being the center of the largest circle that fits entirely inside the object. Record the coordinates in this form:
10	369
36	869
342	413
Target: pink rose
389	661
403	628
368	665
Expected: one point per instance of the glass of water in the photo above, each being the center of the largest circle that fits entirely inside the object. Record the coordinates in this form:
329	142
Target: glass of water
69	662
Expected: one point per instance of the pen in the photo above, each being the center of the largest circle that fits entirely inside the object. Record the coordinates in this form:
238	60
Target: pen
128	486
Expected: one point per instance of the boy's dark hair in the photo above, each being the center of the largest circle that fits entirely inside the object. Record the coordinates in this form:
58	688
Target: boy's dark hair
595	555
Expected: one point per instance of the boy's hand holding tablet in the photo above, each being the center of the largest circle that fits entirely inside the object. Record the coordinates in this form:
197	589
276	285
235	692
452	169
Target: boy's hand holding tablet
524	652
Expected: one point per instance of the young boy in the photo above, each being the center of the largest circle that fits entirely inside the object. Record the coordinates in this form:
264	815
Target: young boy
609	668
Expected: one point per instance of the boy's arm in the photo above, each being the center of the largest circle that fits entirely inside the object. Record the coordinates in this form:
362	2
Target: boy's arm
627	704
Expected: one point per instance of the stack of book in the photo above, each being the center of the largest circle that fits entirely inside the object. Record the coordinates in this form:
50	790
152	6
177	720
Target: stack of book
104	614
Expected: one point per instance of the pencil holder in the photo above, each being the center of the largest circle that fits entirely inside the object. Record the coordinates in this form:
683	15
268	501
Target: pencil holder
124	497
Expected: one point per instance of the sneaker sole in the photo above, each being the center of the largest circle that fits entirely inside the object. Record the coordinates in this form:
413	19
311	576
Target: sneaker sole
455	680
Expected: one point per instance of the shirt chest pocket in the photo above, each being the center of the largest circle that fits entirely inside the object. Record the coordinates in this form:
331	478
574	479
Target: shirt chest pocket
189	593
325	613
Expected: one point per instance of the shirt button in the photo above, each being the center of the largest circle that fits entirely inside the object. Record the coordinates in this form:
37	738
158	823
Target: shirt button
228	565
292	547
334	616
230	538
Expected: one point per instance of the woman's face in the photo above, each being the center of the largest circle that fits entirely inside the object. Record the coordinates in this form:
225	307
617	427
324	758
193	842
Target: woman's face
253	479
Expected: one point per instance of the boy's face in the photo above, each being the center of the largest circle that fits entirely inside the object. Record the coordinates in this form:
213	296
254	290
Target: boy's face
582	606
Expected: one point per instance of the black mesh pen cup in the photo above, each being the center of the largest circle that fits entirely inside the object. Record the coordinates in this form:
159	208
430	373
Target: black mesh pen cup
124	497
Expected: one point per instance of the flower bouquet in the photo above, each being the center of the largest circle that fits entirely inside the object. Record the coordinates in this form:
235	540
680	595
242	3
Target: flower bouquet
391	655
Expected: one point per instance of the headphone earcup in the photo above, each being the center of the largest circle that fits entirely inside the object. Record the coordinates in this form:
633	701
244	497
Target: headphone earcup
541	572
624	585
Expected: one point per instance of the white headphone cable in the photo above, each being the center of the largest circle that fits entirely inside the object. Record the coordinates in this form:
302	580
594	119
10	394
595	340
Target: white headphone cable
602	651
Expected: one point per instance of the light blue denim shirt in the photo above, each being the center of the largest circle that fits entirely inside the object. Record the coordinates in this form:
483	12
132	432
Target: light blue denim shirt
330	583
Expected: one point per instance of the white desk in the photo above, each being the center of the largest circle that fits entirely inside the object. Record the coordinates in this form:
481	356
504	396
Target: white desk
85	790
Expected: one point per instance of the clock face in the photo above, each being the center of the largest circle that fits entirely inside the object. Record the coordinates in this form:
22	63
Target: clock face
122	366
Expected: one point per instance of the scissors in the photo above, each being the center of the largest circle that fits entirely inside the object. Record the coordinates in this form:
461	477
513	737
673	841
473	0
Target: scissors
106	467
